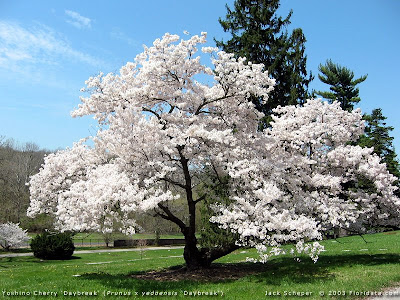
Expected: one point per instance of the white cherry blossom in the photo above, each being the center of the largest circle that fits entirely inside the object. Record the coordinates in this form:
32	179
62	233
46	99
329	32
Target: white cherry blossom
12	236
166	121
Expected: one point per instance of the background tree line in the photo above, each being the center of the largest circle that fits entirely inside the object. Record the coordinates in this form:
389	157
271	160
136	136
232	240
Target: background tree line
17	163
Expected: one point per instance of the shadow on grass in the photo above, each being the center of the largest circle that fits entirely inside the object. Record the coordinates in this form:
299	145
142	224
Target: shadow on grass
127	282
17	259
275	272
19	250
73	257
286	269
32	260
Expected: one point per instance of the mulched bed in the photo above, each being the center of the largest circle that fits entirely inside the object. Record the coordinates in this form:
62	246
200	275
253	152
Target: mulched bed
217	272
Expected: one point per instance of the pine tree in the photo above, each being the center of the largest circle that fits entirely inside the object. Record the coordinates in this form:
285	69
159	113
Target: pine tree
342	84
211	235
377	135
261	36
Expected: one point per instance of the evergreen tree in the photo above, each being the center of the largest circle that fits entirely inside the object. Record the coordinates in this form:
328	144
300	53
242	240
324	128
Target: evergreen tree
260	35
216	188
342	84
377	135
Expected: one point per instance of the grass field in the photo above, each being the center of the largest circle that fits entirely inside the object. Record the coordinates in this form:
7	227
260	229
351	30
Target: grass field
349	267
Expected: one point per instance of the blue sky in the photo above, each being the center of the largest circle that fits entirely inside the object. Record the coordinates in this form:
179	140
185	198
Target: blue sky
49	48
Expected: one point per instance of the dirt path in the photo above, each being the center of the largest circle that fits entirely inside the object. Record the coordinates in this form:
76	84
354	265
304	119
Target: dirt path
389	293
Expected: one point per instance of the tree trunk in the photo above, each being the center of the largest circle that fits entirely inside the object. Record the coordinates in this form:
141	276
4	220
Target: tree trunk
196	258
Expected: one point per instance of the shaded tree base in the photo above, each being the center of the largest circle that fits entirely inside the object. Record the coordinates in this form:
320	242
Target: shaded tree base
213	273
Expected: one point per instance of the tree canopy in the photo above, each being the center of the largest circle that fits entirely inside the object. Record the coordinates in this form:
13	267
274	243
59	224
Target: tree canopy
161	133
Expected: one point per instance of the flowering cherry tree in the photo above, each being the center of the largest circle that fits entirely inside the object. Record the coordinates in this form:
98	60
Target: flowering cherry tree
12	236
167	121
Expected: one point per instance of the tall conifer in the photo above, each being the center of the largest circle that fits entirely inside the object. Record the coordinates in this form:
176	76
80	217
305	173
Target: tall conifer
377	135
262	37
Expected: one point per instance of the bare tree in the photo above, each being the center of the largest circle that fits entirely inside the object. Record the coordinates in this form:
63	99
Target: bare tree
17	164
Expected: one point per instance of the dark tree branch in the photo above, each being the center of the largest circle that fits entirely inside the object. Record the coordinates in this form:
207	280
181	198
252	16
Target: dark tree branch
171	217
152	111
216	172
173	182
210	255
200	198
171	109
190	235
198	110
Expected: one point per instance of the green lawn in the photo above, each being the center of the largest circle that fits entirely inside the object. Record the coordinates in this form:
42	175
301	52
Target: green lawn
349	265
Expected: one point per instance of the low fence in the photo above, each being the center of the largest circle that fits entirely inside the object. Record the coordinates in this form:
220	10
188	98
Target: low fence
121	243
128	243
91	243
79	243
148	242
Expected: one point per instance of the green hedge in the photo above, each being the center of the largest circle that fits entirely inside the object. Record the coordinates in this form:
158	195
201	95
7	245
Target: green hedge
53	246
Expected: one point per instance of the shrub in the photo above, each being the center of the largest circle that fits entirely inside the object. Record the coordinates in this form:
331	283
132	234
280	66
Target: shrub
53	246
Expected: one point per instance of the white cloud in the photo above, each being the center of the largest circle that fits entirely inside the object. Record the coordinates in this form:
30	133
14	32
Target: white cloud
117	34
36	45
77	20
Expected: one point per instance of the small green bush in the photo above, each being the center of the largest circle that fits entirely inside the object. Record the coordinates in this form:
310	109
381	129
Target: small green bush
53	246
